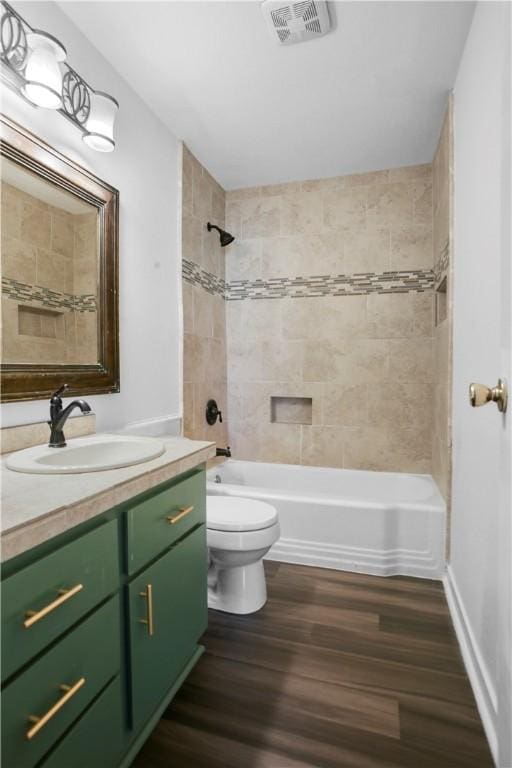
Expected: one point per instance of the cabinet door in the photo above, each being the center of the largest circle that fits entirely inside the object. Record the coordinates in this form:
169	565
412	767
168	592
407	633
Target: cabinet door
168	615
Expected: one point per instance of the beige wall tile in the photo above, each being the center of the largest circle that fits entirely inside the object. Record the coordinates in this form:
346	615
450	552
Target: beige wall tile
345	209
366	250
188	307
367	179
62	233
53	271
411	359
234	218
362	360
345	404
259	318
243	260
203	312
245	193
322	446
202	198
411	246
281	360
324	185
11	204
260	217
192	232
423	312
398	404
386	450
302	255
326	317
279	443
390	205
188	408
272	190
36	224
301	214
18	259
410	172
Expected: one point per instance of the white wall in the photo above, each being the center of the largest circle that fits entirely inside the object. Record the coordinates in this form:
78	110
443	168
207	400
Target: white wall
144	168
481	437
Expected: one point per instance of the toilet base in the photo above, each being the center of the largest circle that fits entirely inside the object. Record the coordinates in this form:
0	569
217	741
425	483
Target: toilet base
240	589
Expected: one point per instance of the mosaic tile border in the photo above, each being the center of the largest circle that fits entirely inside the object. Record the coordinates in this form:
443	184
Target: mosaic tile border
394	281
196	275
36	294
442	264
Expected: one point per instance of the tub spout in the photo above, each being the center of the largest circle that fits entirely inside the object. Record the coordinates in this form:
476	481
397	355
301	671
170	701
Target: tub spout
224	452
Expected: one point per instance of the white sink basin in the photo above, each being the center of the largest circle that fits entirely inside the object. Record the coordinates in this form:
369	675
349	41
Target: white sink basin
86	454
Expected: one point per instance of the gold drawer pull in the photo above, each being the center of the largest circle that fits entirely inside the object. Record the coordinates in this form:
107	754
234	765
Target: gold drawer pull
40	722
148	594
65	595
182	513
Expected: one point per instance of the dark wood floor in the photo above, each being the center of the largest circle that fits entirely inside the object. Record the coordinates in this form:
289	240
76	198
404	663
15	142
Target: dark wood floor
338	669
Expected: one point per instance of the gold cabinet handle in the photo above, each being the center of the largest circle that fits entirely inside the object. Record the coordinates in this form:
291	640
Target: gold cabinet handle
40	722
148	594
64	596
480	394
182	513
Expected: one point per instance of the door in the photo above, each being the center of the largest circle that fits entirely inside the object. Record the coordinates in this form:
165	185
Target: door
481	540
168	615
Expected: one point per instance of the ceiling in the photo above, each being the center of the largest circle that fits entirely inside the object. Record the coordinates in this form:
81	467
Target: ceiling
368	95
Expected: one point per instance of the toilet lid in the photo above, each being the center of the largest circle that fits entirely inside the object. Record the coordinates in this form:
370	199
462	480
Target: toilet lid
232	513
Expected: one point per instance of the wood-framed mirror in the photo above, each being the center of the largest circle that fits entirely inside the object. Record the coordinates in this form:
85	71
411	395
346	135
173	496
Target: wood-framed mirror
59	259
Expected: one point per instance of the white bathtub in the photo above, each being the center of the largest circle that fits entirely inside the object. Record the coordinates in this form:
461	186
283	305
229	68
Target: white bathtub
380	523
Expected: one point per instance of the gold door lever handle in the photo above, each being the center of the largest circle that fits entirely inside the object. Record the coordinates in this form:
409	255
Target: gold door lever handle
480	394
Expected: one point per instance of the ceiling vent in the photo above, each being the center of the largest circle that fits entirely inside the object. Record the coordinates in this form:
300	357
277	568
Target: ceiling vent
296	22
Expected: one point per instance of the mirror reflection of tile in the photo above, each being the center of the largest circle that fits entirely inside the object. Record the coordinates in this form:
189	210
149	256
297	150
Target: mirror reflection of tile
49	272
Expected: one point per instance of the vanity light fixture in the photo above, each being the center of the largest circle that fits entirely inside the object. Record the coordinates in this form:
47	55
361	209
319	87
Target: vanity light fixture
34	65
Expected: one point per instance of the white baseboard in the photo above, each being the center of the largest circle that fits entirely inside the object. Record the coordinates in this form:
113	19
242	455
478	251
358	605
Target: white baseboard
375	562
481	683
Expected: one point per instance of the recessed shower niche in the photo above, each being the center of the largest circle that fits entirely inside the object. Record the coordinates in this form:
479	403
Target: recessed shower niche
291	410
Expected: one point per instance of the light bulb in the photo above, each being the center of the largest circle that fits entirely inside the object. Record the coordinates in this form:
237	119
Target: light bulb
100	123
43	76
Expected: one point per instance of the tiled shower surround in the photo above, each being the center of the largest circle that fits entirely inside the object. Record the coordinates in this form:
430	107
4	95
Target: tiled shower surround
204	315
328	295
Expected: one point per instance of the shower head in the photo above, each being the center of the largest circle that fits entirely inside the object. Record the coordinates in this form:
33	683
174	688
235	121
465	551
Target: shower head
225	237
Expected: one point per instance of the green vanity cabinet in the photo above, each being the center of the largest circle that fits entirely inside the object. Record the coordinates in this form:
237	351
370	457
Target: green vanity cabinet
168	613
115	610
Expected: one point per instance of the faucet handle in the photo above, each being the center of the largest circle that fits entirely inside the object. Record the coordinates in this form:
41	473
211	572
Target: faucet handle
60	391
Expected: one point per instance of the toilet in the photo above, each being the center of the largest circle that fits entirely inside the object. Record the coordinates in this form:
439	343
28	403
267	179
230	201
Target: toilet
239	534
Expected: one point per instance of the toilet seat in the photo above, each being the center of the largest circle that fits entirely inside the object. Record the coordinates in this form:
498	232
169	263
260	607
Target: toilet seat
235	513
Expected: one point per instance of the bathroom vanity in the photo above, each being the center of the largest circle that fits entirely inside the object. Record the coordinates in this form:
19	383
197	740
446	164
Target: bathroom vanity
103	605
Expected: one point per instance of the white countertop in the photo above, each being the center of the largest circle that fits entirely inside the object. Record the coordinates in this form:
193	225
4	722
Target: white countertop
37	507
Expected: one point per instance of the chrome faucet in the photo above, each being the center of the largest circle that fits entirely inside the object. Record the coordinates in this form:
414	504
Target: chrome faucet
59	415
